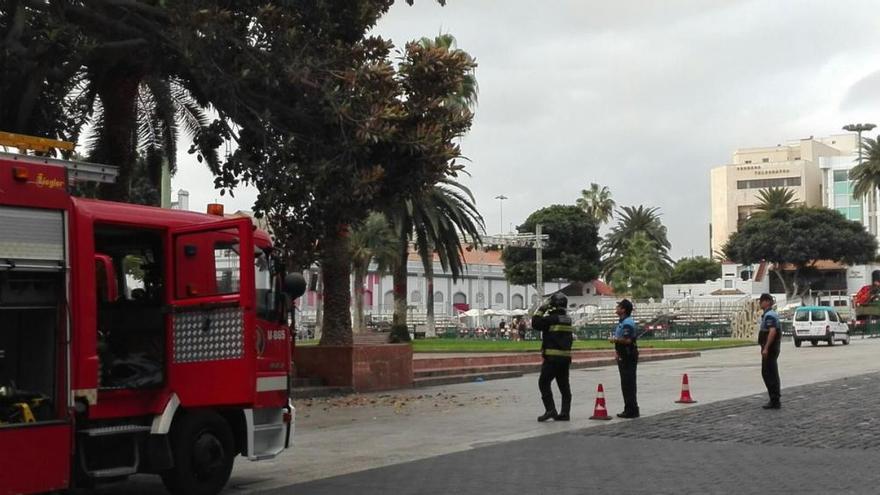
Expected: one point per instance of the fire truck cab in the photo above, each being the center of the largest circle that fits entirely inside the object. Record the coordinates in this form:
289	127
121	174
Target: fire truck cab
134	339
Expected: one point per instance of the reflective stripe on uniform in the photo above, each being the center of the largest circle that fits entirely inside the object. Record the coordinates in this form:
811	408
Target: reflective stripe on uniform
557	352
561	328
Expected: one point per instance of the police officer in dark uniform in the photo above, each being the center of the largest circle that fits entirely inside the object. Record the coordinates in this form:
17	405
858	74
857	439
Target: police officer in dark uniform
556	338
770	339
624	340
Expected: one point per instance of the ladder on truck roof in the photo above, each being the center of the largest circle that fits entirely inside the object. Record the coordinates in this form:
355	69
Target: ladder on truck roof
77	171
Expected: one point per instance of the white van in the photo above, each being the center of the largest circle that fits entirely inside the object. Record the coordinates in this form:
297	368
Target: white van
815	323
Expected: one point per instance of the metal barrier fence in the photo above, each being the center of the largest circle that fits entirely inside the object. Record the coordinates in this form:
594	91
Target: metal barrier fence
675	331
870	329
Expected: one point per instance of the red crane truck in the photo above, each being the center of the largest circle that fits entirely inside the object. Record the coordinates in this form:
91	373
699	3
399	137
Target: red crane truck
133	339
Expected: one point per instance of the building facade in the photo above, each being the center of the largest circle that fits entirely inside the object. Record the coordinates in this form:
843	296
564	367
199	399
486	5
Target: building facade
796	165
838	193
482	286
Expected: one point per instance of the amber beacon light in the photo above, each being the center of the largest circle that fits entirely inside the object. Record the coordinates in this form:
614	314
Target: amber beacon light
215	209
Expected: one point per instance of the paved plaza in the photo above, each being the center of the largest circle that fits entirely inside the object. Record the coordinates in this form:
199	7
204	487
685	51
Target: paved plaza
482	437
826	439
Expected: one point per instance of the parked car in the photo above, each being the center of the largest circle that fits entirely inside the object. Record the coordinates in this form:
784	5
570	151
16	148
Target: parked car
819	323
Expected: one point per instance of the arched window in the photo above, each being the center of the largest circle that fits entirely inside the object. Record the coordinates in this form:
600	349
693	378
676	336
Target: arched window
517	302
438	297
459	298
499	298
415	296
388	302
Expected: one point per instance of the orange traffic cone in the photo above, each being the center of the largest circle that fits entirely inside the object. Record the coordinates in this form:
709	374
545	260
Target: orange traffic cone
599	410
685	392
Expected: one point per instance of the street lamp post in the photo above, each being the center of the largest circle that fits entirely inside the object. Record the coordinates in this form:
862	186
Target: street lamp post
858	129
872	203
501	199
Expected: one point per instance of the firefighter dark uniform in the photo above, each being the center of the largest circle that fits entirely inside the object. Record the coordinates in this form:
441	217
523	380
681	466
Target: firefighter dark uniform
627	360
556	338
769	364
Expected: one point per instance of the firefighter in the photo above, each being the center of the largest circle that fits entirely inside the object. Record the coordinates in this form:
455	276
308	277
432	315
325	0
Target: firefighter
556	337
624	340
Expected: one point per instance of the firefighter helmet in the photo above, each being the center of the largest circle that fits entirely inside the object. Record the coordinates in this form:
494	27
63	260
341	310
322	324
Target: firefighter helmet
558	300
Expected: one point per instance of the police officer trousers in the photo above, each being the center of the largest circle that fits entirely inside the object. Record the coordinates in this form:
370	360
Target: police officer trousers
627	362
555	368
770	367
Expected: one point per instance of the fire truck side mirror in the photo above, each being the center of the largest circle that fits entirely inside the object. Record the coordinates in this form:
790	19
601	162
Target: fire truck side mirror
294	285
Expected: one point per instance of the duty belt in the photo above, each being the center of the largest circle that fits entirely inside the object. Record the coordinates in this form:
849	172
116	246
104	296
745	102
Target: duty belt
557	352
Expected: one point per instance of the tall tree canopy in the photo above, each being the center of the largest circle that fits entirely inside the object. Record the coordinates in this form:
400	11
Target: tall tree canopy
799	237
633	220
571	252
695	271
327	120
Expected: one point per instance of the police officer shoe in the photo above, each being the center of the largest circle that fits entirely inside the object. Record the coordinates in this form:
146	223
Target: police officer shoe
772	405
562	417
628	415
548	415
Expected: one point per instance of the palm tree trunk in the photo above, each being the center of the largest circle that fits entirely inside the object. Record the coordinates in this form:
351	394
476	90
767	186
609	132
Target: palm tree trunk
360	274
429	297
118	94
336	268
399	329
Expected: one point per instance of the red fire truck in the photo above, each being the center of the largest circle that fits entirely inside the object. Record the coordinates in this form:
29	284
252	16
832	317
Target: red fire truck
133	339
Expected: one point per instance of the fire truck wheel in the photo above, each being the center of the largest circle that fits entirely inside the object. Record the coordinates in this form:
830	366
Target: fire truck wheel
204	450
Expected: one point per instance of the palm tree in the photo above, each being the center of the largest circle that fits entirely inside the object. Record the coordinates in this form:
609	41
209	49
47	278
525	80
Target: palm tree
775	198
147	122
633	220
866	175
437	220
373	241
596	202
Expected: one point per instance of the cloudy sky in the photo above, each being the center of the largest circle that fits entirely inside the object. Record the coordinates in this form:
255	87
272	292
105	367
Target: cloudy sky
642	96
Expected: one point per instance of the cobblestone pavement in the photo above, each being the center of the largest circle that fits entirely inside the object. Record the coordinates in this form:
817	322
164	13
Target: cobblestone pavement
825	439
838	414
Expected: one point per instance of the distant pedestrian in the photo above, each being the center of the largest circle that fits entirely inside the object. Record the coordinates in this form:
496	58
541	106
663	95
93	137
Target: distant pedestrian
627	351
770	339
521	328
556	332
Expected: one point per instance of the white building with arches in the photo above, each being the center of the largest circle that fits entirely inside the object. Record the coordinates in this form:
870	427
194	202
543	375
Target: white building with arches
481	286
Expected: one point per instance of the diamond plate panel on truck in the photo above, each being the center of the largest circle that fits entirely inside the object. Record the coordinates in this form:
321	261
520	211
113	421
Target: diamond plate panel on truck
208	335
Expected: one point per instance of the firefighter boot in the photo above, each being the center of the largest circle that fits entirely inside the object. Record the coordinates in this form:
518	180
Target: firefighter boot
549	409
566	407
551	414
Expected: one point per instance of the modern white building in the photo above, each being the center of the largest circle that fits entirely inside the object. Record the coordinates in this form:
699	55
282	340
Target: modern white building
736	282
837	189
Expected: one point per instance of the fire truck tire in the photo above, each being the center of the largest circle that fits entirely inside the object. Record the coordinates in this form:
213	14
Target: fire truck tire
203	449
